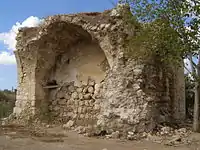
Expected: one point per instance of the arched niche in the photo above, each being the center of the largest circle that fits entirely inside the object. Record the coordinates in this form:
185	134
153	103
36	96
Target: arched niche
67	55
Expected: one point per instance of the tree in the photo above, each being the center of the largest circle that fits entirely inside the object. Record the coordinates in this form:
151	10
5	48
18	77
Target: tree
189	86
170	29
7	102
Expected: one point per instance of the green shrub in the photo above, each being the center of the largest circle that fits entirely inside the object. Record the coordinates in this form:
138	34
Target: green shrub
5	110
7	102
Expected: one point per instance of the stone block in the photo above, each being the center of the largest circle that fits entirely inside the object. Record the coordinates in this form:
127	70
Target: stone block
79	90
84	83
74	95
62	102
91	82
61	94
80	96
71	88
81	116
17	110
85	90
97	87
91	89
68	125
81	103
67	96
80	110
87	96
84	110
32	103
76	103
87	103
97	107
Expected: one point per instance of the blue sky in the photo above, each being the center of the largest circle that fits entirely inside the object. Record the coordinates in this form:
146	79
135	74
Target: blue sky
17	13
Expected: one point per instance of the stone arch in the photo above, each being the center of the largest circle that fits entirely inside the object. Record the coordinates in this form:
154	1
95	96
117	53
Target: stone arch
67	57
44	55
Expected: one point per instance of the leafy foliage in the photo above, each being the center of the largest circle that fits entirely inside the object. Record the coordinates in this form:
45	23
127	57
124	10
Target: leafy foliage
7	102
169	28
171	31
158	39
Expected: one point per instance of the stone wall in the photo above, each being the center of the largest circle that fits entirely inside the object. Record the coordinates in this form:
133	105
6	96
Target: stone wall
74	68
83	68
76	104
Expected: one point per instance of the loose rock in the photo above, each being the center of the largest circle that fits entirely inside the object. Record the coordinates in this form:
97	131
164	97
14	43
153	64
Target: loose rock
91	89
68	125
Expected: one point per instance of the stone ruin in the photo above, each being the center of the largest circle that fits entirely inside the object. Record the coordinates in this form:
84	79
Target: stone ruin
74	68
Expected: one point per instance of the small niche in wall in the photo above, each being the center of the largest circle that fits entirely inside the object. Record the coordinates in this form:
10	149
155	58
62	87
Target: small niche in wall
51	85
68	61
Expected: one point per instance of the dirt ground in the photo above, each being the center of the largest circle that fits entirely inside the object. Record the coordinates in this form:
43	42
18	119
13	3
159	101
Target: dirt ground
20	138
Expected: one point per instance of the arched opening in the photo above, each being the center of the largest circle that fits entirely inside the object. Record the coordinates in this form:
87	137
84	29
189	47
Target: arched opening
70	68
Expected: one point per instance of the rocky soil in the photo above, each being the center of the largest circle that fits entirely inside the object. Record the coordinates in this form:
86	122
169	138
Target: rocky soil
19	138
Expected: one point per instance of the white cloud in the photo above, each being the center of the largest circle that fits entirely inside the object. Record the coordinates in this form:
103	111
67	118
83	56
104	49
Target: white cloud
8	38
7	58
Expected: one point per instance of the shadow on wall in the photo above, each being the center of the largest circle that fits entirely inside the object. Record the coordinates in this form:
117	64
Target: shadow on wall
69	65
78	63
73	78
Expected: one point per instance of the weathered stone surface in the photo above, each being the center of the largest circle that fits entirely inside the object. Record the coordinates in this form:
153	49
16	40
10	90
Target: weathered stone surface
71	88
80	96
80	129
91	83
87	96
68	125
62	101
115	135
90	89
93	78
79	90
75	95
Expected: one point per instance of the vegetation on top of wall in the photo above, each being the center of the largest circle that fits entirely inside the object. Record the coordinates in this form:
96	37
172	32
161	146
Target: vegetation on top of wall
171	30
156	38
